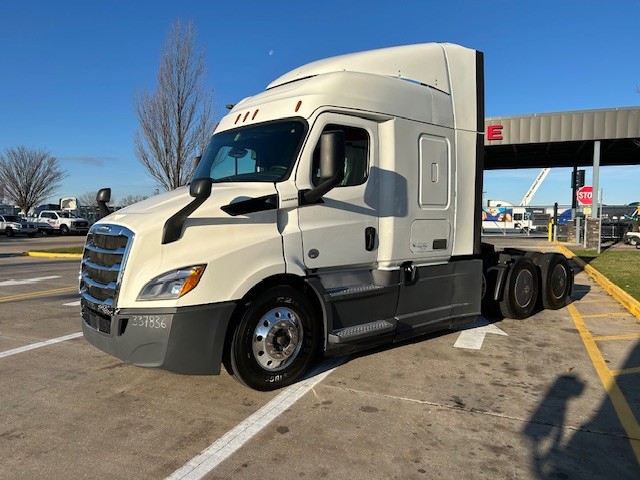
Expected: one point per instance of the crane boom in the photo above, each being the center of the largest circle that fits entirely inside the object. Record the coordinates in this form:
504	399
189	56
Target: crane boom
534	187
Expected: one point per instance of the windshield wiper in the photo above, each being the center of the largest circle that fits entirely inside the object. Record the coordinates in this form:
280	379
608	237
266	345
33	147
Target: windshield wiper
226	179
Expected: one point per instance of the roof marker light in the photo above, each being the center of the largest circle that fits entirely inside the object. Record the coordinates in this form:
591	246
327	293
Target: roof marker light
254	114
298	105
237	118
245	117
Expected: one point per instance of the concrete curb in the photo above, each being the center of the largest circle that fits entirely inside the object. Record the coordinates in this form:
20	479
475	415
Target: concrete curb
626	300
52	255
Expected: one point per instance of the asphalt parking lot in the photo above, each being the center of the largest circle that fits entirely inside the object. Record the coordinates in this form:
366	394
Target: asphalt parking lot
554	396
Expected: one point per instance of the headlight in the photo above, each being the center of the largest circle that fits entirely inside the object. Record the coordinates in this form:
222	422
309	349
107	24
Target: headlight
174	284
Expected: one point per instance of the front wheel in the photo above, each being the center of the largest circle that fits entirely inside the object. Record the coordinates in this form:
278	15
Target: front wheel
633	241
9	232
276	340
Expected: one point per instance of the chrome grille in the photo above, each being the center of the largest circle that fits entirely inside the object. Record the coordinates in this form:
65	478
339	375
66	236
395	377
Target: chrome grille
103	262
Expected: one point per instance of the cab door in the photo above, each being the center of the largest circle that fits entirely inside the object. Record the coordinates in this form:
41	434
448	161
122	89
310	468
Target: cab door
342	228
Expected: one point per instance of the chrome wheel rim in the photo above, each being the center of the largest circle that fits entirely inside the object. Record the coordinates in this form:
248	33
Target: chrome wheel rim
277	339
558	281
524	288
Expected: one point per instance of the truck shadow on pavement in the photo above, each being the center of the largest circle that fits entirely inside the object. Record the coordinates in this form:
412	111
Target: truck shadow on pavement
599	448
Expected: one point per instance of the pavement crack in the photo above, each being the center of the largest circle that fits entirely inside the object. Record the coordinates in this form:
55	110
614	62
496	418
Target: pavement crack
475	411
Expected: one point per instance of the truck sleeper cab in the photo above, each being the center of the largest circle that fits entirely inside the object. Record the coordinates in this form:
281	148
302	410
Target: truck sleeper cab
333	212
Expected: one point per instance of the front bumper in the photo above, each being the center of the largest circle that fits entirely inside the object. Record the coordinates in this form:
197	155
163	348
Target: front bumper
187	340
626	238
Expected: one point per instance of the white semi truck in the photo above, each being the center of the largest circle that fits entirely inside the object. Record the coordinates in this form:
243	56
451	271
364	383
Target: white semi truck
335	211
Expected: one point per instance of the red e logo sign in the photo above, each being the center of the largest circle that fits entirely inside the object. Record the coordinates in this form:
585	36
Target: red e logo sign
494	132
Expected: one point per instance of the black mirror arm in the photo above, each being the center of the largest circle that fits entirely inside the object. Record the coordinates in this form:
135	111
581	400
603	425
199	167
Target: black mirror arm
200	189
173	226
102	198
315	194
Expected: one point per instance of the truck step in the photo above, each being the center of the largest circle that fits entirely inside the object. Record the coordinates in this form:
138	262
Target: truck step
355	289
359	332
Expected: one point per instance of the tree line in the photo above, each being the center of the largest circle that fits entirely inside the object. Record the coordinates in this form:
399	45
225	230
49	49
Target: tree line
176	121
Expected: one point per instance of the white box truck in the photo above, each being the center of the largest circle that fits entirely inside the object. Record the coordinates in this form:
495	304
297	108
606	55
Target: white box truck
337	210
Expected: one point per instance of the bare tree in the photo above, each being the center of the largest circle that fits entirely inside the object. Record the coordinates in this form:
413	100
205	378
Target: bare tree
29	176
176	120
88	199
131	199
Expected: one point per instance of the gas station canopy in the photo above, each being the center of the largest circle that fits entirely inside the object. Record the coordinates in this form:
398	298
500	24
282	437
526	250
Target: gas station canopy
564	139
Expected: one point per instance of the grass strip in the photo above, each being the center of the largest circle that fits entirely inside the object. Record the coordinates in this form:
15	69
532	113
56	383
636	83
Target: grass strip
622	267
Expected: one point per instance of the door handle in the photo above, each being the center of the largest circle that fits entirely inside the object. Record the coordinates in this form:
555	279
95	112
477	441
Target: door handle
369	238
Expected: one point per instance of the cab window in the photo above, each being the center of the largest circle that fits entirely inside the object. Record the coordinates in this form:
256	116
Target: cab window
356	165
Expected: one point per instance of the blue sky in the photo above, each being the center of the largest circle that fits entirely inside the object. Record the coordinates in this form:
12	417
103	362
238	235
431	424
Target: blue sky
69	69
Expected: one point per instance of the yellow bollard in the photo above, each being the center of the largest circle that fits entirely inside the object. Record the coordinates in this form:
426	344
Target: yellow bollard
550	230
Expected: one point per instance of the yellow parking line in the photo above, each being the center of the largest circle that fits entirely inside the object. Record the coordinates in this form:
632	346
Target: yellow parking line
625	336
606	315
625	371
53	255
583	302
627	419
42	293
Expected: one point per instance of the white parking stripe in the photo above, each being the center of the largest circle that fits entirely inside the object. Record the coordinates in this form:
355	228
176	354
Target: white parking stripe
26	281
72	304
234	439
44	343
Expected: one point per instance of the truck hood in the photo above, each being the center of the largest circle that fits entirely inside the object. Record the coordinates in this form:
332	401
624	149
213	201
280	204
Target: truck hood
209	236
152	213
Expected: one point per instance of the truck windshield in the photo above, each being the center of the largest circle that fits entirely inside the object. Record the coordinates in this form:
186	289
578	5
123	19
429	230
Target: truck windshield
258	153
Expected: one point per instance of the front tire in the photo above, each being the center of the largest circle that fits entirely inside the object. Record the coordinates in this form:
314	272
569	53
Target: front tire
276	340
9	232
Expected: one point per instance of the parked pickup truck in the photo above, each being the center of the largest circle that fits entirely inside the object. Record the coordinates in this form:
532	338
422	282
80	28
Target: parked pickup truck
632	238
13	224
64	222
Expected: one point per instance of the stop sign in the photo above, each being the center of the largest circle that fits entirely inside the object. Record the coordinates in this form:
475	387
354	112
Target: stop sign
585	195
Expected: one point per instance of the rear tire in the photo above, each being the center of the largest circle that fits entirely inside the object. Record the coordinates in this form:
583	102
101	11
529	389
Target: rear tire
64	230
556	280
276	340
534	257
520	290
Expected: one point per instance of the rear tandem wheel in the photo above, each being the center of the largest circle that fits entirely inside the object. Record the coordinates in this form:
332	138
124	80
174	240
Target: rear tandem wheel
520	290
555	274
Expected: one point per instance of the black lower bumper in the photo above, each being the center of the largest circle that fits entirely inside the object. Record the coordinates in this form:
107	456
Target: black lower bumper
187	340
